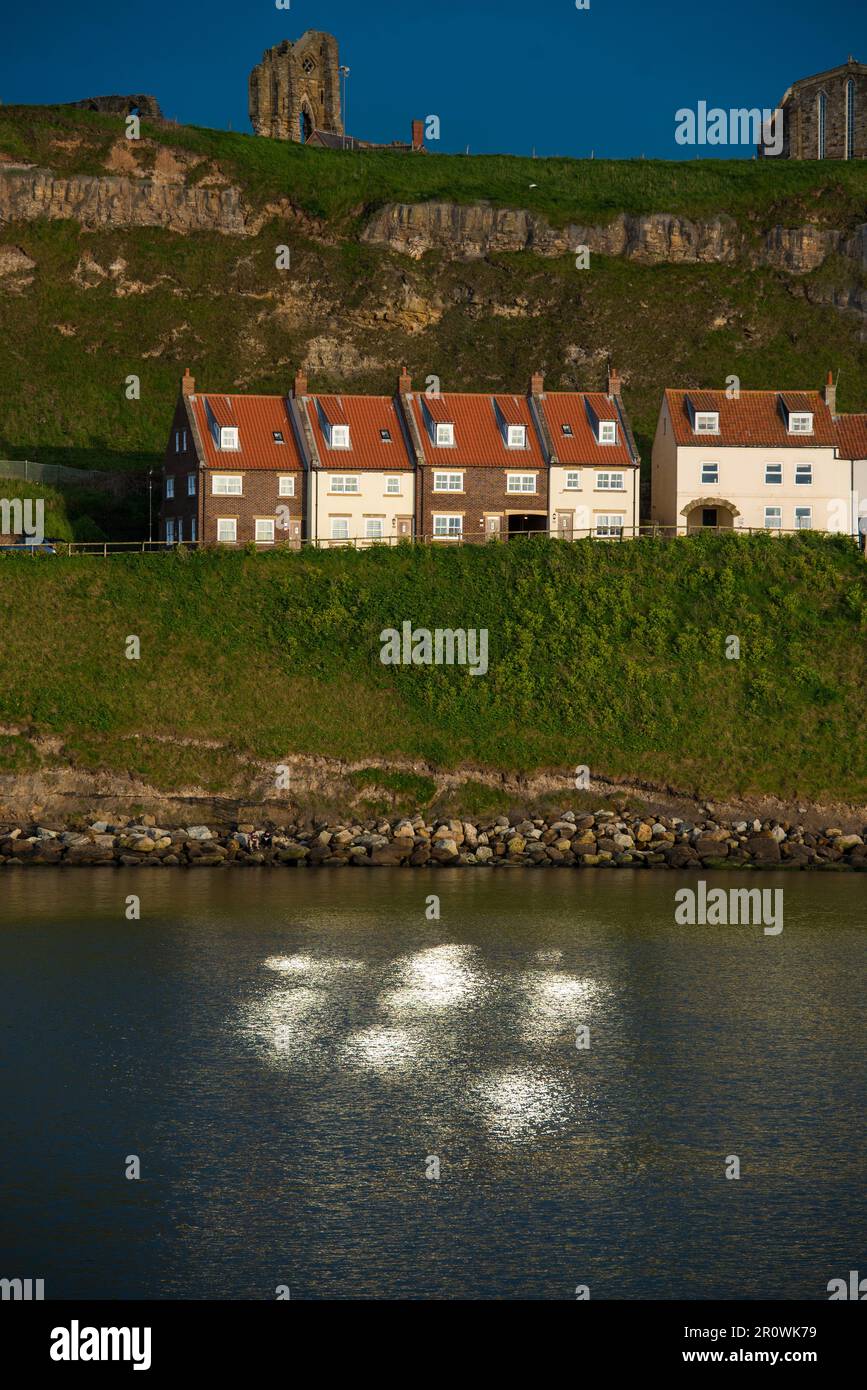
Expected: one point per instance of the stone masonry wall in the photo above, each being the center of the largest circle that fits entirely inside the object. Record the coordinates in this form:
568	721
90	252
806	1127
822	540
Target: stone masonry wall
295	79
801	136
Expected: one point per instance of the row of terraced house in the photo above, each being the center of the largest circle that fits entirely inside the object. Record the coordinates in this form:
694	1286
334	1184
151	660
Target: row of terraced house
448	467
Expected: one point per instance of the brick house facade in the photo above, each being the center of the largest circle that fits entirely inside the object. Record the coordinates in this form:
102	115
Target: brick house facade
492	467
233	471
379	469
481	470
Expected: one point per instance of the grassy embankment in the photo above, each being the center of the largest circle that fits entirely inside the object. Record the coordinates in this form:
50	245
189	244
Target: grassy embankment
610	656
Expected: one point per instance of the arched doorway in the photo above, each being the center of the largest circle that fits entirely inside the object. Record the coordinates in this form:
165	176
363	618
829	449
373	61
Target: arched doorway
306	125
710	513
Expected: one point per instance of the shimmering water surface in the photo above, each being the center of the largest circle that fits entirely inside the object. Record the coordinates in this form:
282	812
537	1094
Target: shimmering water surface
287	1052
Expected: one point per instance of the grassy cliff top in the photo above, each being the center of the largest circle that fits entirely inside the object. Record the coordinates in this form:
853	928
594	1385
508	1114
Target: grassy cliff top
338	185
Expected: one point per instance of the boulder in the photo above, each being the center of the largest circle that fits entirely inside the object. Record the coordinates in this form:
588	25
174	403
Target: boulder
764	849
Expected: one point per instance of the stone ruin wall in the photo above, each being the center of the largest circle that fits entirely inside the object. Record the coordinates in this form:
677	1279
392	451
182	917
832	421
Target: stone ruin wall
294	79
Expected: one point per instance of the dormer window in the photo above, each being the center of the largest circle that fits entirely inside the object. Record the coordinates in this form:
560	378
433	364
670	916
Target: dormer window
339	437
800	422
706	422
517	437
229	437
445	437
607	431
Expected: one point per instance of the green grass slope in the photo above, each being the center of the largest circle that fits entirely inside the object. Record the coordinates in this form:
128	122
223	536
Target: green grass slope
337	185
611	656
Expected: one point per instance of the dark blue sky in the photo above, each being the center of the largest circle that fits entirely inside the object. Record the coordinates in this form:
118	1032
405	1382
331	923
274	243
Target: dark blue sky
503	75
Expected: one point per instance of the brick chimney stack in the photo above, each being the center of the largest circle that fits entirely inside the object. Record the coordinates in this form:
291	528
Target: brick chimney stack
830	394
614	382
188	383
418	135
404	382
300	383
537	384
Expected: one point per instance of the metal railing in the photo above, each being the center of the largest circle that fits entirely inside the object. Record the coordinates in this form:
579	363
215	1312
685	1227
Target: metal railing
58	475
650	531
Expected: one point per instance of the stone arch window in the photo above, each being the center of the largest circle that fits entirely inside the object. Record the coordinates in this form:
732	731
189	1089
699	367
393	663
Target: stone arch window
305	125
850	118
821	124
308	65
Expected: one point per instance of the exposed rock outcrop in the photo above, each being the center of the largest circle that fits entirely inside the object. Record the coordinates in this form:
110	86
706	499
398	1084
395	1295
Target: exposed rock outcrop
466	232
475	230
116	201
16	269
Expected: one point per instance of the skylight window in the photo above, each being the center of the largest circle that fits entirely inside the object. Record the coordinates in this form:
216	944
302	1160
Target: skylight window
278	437
385	436
567	430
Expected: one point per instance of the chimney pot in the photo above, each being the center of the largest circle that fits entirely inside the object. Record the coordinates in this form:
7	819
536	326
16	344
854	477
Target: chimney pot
537	384
300	383
188	383
614	382
830	394
404	384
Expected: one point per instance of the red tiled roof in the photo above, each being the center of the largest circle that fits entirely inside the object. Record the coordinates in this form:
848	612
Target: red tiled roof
366	417
582	446
756	419
479	442
852	436
258	418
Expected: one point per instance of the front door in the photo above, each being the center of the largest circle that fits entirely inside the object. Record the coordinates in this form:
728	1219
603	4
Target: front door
404	528
493	526
565	523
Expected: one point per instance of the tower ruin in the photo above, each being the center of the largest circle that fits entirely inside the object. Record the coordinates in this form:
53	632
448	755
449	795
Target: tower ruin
296	89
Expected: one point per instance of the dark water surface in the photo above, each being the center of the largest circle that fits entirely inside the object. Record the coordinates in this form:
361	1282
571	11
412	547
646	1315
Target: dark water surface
286	1051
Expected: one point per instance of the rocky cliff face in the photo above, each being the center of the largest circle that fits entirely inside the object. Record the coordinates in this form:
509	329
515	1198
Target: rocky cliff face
117	201
476	230
461	232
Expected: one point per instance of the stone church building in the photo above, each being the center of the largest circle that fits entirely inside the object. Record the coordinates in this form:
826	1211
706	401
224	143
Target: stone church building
295	95
295	90
825	117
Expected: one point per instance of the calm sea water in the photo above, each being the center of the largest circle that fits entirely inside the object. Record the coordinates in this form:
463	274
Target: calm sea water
287	1053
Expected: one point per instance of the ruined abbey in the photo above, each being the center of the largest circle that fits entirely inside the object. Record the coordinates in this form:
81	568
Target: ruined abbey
295	95
295	90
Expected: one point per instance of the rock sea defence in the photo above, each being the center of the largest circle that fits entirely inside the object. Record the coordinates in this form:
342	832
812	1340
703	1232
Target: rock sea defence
602	839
